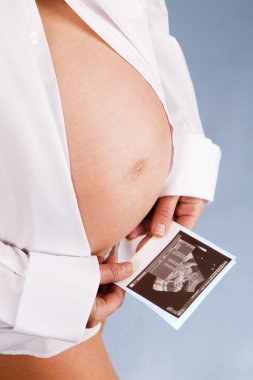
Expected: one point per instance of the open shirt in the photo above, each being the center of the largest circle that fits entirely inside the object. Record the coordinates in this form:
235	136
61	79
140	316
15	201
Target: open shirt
48	277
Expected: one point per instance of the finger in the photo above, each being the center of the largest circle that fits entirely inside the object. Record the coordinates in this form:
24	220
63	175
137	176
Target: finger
189	210
113	272
137	231
102	289
163	215
101	259
189	207
108	303
113	257
143	242
187	221
143	227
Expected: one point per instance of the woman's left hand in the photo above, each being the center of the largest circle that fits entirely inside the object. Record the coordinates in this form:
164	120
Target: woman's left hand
182	209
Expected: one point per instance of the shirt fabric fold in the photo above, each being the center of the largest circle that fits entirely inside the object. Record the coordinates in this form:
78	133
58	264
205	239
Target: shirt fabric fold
48	277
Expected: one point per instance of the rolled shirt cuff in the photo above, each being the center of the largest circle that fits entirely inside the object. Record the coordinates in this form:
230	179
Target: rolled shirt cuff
57	297
195	166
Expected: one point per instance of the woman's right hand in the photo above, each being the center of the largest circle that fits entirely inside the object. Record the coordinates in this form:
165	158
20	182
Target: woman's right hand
110	296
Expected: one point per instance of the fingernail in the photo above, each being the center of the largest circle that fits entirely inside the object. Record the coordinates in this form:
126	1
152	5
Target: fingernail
128	267
160	229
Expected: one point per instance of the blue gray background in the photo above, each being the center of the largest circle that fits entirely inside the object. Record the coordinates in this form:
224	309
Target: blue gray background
216	343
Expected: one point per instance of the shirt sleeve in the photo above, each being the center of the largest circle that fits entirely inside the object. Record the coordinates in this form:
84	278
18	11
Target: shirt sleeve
46	295
196	158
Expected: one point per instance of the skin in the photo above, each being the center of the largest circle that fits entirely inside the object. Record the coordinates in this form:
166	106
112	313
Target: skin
72	364
137	176
182	209
109	171
119	144
85	361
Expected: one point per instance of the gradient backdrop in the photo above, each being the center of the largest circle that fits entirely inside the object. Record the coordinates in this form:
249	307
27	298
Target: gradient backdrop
216	343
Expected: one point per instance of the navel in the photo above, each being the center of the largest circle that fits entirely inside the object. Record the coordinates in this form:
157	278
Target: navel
138	168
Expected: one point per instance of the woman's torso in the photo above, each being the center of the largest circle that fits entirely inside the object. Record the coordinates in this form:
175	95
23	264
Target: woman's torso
117	131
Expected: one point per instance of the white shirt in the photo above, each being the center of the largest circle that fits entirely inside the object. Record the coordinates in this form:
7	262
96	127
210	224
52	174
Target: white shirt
48	277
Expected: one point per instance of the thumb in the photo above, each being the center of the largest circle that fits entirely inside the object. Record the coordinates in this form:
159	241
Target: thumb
163	215
113	272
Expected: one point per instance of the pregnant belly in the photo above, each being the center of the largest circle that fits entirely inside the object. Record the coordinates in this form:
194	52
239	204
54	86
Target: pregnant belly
118	134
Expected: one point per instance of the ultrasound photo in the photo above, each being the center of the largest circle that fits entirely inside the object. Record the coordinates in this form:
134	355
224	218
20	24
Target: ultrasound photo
179	273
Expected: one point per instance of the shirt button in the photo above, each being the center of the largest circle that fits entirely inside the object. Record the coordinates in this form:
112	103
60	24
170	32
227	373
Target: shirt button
34	38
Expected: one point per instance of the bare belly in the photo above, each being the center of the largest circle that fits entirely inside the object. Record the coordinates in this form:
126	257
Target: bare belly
118	134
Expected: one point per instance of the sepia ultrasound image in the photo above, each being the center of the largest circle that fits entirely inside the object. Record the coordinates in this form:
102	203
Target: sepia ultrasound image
179	273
